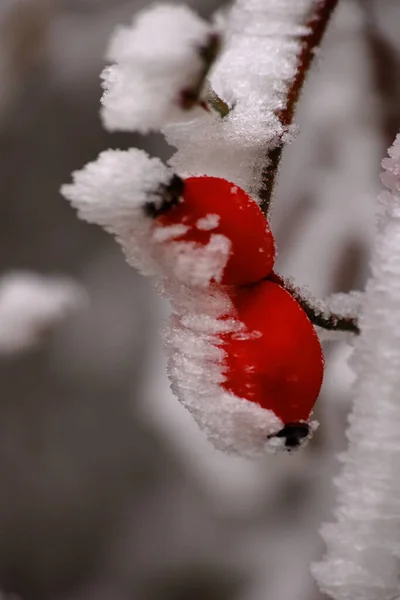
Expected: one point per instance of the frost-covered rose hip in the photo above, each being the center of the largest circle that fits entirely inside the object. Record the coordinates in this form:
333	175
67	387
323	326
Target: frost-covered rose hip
243	356
277	361
209	206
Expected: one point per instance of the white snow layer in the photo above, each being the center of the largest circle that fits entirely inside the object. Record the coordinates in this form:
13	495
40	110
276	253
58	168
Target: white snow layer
263	40
31	305
362	560
195	367
154	60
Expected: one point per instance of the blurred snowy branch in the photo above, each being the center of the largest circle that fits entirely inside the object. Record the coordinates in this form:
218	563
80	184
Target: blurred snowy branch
31	305
362	559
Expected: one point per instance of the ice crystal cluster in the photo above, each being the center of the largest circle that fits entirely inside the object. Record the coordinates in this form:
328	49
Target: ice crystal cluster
363	547
31	305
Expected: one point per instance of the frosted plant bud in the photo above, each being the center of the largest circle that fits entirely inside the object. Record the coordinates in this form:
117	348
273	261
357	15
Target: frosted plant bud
32	304
159	66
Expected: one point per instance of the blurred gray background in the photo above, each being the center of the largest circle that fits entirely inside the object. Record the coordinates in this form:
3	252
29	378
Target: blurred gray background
107	489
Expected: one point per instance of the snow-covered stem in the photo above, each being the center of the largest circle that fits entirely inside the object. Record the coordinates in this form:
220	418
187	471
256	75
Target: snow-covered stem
363	547
338	316
316	22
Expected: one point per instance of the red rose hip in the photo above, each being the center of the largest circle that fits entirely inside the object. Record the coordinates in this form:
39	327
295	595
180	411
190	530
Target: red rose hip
210	205
277	361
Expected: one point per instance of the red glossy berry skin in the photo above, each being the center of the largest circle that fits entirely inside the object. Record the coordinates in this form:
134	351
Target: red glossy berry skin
281	368
240	219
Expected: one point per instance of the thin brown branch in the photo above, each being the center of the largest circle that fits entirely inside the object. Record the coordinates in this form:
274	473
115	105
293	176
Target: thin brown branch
192	95
327	320
316	22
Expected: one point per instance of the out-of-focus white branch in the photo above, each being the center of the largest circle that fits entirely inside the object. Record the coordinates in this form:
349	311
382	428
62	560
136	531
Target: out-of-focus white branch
363	546
31	305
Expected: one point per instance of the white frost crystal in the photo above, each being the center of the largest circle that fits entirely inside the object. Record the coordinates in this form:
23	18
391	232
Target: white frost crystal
112	190
154	61
31	305
362	559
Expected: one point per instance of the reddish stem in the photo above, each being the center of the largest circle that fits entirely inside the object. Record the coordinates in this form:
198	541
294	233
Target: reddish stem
316	22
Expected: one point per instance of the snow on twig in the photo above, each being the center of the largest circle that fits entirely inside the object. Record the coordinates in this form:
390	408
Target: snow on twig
31	305
335	317
315	23
255	75
363	550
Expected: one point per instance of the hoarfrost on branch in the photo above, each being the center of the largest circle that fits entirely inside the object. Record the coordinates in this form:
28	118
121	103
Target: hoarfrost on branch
363	548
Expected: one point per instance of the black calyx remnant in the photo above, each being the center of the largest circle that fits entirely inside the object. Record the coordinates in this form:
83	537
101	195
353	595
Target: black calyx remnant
168	196
293	433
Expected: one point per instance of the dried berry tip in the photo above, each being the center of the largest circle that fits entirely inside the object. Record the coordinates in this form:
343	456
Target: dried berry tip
293	433
169	197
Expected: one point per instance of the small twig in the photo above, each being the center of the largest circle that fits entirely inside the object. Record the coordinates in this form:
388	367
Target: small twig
316	22
327	320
